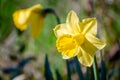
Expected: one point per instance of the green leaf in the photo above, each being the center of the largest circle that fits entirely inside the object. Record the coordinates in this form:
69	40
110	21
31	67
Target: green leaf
87	75
90	73
119	73
48	73
68	70
78	68
103	71
58	75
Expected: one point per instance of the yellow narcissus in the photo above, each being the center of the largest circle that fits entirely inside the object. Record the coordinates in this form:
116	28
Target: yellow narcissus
75	38
31	16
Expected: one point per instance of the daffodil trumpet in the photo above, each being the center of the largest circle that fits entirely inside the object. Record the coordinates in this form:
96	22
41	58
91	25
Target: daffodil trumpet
33	17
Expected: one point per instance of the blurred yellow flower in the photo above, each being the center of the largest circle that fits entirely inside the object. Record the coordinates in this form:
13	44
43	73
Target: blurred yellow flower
79	39
31	16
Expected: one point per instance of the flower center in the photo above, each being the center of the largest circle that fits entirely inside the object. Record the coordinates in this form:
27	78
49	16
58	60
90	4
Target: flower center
79	39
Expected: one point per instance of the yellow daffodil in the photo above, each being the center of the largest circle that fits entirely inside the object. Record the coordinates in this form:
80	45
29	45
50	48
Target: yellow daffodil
75	38
31	16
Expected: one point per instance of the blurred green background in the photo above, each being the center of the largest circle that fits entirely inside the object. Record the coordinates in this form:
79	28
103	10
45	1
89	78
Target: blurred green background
107	13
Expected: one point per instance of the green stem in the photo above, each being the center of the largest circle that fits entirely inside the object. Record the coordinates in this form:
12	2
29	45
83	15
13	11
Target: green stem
46	11
95	70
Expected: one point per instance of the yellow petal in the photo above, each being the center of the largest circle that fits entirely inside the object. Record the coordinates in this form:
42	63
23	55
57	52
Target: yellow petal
71	26
86	54
62	29
89	25
21	17
84	58
66	45
36	23
36	8
73	21
95	41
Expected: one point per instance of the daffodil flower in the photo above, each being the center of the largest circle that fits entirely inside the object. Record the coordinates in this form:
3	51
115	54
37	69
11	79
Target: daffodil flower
75	38
30	16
